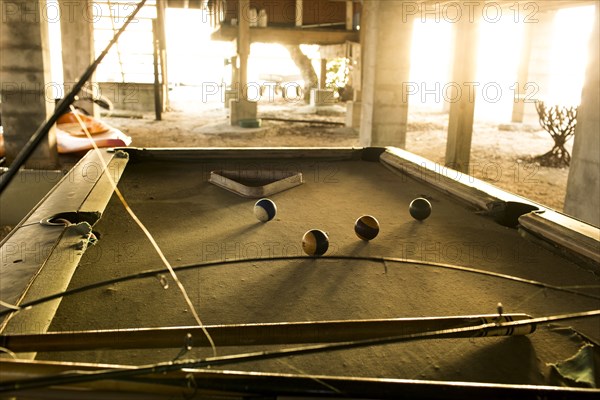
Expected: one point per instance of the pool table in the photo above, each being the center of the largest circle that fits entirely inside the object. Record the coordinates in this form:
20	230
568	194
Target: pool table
483	252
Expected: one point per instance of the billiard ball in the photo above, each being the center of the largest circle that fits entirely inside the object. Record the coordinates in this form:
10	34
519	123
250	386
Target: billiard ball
420	208
265	210
366	227
315	242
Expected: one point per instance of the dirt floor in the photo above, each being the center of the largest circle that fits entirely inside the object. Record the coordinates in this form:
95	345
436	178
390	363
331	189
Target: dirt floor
499	153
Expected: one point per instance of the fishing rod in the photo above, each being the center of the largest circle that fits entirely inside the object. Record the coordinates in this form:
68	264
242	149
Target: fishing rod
158	272
165	367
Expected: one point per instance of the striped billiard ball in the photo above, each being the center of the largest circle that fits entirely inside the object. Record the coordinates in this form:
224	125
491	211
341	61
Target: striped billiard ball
366	227
315	242
265	210
420	208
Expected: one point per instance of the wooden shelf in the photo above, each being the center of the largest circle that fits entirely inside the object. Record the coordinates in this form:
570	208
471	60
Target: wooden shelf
290	35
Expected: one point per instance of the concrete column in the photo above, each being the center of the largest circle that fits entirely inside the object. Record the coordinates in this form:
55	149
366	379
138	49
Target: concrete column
323	75
232	91
462	111
235	71
24	78
523	75
368	41
243	42
77	36
358	56
242	108
583	187
537	84
386	70
353	114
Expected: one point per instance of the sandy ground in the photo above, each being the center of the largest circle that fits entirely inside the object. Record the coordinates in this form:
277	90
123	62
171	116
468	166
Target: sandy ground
499	153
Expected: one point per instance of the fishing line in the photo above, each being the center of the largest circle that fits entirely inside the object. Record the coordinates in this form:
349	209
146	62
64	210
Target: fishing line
384	260
146	232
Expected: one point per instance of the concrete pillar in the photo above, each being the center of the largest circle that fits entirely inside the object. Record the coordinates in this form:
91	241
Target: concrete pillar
323	75
233	92
24	78
462	111
523	75
242	109
368	42
583	187
353	114
386	69
77	36
537	84
358	58
243	42
235	70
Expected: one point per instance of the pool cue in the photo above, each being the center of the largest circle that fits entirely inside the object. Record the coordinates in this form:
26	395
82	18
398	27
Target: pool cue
257	334
61	108
178	365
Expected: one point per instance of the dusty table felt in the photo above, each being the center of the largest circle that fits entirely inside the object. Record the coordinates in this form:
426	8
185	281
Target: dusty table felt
194	221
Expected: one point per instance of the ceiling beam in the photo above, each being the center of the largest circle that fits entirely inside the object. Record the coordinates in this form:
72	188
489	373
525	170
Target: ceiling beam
291	36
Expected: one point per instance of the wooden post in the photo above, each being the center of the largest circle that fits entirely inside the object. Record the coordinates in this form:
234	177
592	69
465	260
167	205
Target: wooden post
323	76
349	15
299	12
162	55
462	110
157	83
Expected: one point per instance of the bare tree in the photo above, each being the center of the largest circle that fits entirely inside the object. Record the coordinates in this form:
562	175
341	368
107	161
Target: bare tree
306	69
559	122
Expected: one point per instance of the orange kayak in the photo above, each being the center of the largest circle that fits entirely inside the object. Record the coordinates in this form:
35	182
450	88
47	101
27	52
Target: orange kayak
67	143
68	123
